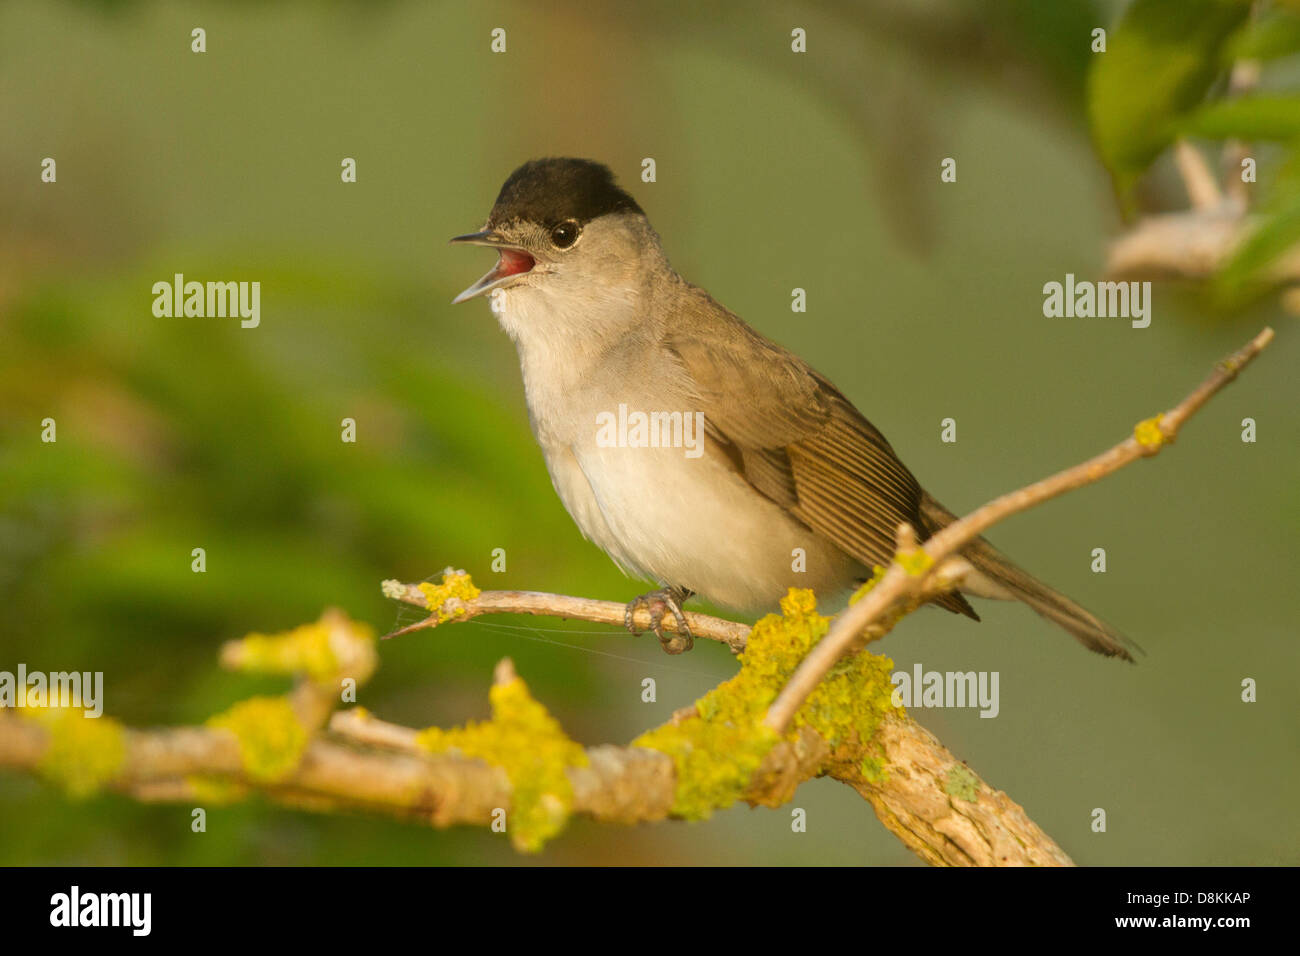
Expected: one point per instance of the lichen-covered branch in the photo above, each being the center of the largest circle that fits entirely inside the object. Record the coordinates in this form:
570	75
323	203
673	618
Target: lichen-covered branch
941	810
937	806
906	775
359	763
519	770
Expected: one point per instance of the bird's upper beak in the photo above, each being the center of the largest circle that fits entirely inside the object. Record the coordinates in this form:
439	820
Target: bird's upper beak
511	261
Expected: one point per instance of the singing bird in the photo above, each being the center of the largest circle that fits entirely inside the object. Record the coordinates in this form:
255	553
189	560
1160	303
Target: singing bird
787	465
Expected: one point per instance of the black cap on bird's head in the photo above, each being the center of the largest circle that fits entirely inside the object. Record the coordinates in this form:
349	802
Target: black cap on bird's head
549	191
540	212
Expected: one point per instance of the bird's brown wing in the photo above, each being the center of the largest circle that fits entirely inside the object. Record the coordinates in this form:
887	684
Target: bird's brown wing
797	440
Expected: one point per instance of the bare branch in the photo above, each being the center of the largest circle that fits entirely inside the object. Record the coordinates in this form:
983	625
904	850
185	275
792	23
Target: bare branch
1191	245
1186	245
1202	190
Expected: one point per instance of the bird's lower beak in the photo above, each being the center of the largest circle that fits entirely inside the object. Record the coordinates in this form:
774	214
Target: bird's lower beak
511	261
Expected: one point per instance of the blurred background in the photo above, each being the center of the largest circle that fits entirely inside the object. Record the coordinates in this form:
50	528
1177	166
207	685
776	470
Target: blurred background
775	170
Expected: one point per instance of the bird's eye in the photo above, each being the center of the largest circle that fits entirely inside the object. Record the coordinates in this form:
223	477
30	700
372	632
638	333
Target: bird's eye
565	234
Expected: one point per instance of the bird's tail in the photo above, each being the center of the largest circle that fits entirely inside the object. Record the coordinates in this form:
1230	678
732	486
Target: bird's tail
998	576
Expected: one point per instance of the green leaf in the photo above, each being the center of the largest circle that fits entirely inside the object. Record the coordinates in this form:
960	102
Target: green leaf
1159	63
1268	38
1246	272
1277	233
1248	118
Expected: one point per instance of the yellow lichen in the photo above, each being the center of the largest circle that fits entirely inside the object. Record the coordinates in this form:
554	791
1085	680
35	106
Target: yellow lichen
1148	433
217	791
271	740
455	584
527	742
322	650
877	572
306	648
915	562
716	752
714	757
961	783
873	770
82	753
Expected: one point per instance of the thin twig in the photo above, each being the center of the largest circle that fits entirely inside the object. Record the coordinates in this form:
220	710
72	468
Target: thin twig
731	633
1202	189
897	583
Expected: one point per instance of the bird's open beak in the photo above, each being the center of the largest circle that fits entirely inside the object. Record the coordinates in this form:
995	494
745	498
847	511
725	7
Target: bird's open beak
511	261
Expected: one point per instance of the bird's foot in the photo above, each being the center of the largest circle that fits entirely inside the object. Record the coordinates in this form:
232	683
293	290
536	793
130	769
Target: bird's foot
658	603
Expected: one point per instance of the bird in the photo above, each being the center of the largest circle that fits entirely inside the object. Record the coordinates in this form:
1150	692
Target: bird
692	450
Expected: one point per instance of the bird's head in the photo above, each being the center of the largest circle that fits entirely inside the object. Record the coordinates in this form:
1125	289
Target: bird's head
562	226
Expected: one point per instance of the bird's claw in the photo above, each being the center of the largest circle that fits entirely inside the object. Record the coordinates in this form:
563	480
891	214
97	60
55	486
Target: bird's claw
657	603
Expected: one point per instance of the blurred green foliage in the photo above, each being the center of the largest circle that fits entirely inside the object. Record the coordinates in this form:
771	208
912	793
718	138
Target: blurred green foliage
1163	77
1158	64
